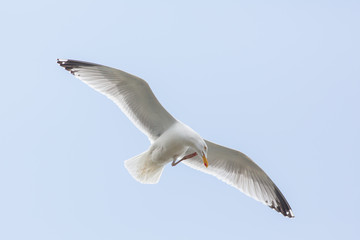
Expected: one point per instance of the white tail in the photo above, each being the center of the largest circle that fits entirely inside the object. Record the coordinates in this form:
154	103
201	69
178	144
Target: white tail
143	169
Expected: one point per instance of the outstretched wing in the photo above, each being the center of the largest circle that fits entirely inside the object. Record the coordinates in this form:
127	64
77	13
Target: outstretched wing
238	170
132	94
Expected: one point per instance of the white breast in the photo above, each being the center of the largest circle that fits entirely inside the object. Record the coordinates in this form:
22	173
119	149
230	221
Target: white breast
172	144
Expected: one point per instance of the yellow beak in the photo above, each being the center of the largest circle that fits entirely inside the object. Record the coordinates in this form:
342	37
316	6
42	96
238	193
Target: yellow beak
205	160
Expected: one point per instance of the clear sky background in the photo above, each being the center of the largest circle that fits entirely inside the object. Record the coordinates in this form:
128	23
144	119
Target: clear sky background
277	80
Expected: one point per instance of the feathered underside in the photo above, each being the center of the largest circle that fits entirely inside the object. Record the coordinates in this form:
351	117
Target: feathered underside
132	95
135	98
239	171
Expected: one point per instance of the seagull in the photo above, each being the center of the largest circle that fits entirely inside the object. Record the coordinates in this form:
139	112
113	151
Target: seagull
171	140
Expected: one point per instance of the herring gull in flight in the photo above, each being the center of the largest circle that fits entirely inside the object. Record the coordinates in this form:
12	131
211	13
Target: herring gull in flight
171	140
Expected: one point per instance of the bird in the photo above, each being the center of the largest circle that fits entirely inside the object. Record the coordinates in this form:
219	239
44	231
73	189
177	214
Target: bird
172	141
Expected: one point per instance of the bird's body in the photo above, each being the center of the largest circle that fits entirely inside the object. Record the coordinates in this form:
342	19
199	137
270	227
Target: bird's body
173	144
173	141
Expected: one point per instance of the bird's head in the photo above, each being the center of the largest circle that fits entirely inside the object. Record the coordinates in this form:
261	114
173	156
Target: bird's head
201	149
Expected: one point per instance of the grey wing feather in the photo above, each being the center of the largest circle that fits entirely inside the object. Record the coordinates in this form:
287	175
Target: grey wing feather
238	170
132	94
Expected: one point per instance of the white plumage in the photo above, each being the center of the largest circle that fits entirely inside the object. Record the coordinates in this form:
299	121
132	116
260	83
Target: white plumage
173	141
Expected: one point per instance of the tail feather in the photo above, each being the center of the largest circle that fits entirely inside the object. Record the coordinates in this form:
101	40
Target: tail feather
143	169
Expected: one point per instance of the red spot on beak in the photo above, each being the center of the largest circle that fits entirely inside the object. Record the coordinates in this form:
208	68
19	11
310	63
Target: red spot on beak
206	163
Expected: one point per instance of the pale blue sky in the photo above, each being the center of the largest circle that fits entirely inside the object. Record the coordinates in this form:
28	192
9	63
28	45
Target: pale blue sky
277	80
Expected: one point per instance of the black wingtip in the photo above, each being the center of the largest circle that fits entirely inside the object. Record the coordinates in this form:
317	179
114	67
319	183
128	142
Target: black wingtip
59	61
71	65
287	213
66	64
281	205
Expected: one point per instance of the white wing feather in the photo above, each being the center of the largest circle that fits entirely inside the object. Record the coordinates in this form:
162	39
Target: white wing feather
239	171
132	94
